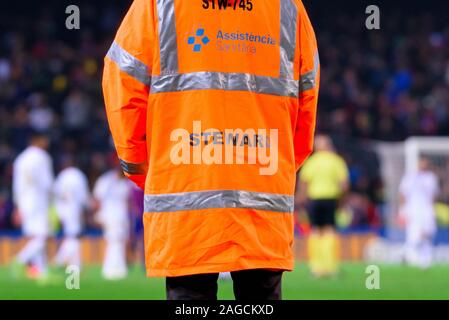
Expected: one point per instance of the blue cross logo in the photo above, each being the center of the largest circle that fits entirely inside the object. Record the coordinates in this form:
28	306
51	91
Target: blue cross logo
202	40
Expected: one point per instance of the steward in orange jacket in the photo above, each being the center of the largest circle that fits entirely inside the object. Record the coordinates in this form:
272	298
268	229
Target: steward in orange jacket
212	108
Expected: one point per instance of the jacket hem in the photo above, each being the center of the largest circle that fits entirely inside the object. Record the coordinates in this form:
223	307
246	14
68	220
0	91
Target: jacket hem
203	269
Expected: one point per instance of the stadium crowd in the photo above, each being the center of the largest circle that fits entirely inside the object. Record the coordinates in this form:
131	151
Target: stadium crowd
383	84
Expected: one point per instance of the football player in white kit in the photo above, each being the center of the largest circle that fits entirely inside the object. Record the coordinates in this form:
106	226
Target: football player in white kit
112	194
418	192
71	195
32	186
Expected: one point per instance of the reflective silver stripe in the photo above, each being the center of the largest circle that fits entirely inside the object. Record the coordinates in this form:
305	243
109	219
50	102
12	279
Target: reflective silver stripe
133	168
225	81
167	36
308	80
289	27
129	64
218	199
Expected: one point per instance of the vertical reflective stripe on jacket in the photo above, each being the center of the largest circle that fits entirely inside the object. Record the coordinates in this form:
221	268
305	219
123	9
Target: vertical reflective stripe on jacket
289	26
167	36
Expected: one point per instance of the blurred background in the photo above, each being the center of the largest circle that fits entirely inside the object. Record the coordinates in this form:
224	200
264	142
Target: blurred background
384	101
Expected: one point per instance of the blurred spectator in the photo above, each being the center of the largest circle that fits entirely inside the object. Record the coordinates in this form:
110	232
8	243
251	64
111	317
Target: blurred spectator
41	116
76	110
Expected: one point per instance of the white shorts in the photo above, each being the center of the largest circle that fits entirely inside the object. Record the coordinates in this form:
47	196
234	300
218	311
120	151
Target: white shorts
116	231
71	227
36	226
416	232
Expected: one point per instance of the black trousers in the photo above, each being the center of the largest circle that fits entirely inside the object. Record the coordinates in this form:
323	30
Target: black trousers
257	284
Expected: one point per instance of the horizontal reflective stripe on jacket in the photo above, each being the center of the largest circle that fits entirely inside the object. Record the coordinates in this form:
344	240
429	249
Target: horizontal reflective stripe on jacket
225	81
218	199
133	168
308	80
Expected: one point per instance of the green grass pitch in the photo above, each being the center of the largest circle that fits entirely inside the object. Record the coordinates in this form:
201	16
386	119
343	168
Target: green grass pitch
396	282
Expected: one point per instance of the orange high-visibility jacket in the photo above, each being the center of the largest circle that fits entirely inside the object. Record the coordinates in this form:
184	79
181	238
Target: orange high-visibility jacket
212	108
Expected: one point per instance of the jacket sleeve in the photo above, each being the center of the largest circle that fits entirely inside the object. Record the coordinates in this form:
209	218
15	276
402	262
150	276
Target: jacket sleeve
126	81
309	69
